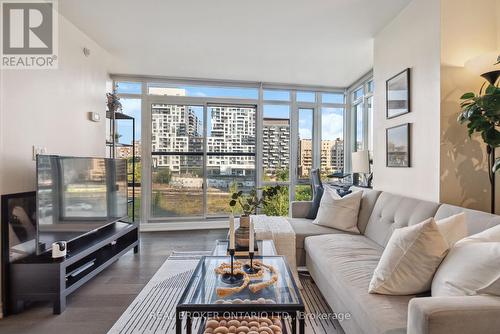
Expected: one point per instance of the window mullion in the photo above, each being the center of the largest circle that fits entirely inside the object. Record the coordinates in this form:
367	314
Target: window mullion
294	141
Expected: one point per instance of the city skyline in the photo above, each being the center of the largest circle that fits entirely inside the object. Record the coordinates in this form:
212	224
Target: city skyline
232	129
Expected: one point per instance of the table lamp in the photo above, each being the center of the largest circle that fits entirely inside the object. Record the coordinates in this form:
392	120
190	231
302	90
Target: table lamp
360	163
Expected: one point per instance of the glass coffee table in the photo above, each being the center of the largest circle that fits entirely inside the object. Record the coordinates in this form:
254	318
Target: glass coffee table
200	298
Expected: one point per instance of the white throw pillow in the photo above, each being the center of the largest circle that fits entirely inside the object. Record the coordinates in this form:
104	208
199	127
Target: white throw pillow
410	260
472	267
339	212
453	228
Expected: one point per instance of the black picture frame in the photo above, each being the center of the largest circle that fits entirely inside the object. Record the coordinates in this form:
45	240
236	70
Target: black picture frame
399	82
398	158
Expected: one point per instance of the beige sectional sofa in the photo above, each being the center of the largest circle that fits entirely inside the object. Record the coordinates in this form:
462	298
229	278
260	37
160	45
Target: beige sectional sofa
342	265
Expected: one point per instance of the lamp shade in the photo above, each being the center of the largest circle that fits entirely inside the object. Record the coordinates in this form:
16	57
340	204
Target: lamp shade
360	162
485	65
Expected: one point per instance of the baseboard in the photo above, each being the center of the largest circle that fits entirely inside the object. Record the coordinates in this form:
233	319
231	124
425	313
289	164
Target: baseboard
183	226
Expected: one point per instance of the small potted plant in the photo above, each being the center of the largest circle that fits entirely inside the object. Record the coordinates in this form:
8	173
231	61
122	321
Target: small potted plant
113	102
249	203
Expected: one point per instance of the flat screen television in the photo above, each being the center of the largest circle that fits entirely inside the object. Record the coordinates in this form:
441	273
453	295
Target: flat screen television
77	196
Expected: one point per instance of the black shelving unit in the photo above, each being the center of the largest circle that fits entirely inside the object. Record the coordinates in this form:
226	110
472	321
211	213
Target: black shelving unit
113	144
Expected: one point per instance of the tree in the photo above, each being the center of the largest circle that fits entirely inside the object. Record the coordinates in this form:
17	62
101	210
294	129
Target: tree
282	174
137	170
279	205
162	175
303	192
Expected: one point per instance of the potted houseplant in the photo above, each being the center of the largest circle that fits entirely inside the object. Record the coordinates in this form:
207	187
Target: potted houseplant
248	204
481	113
113	102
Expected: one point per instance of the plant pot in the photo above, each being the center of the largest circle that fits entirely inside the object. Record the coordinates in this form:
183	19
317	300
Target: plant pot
242	233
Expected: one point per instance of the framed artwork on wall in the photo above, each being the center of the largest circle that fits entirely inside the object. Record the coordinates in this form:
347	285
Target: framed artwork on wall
397	94
398	146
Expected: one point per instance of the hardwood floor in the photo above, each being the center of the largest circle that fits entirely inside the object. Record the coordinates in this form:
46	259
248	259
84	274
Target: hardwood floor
96	306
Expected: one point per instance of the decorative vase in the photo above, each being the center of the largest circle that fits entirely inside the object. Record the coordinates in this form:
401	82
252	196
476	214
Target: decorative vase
242	233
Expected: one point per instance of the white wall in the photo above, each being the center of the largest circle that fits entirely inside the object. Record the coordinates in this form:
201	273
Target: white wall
469	29
411	40
49	108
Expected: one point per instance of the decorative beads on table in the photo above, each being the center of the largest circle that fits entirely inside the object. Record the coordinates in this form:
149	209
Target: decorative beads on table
225	268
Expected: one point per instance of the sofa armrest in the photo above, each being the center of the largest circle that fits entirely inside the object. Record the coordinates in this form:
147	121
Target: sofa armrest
465	315
301	209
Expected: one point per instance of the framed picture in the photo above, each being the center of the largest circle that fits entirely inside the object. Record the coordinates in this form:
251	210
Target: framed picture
398	146
397	94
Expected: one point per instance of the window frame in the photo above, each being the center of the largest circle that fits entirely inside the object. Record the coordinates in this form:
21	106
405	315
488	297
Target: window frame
294	107
365	83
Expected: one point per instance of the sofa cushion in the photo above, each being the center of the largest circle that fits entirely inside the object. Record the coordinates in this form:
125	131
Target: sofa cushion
339	212
304	228
410	260
368	201
395	211
476	221
472	267
342	265
453	228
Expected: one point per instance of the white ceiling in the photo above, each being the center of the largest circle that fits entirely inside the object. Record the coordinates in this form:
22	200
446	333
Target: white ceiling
319	42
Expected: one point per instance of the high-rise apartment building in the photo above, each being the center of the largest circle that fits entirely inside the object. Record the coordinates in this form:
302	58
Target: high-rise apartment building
305	157
175	128
337	161
275	145
231	130
124	152
332	156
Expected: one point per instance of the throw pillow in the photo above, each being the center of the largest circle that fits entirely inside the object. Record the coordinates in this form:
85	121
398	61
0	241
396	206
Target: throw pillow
343	192
313	211
339	212
410	260
453	228
472	267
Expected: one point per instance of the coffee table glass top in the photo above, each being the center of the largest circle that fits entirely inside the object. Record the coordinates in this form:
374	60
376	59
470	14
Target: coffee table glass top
202	288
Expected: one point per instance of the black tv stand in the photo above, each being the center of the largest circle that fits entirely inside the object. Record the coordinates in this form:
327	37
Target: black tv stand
36	278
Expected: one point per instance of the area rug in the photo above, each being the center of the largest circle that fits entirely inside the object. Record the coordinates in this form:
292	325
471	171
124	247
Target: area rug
153	311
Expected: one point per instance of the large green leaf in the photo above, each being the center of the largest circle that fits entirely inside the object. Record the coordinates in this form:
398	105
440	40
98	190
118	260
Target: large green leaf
467	96
481	114
490	90
491	136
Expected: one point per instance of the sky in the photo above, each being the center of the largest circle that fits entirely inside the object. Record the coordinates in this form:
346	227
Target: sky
332	118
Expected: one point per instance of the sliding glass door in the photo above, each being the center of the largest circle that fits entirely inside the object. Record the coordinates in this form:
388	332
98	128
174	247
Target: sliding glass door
199	154
177	170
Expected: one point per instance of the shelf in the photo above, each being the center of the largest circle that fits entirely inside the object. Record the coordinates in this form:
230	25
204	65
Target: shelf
113	142
118	115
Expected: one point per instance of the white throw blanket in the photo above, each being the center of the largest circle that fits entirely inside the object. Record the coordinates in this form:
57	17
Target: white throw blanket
281	232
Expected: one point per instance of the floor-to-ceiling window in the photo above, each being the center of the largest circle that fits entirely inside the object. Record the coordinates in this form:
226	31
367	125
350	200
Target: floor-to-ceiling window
129	139
332	134
301	130
361	118
201	141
